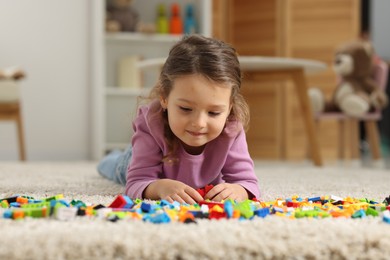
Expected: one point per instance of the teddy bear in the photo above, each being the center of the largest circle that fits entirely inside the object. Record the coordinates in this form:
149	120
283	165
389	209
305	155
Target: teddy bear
121	16
356	92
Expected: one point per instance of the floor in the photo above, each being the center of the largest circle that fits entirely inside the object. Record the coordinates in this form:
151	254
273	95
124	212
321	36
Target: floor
366	155
365	162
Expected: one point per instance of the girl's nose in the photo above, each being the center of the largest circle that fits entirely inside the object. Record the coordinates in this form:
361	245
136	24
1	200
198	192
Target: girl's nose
199	120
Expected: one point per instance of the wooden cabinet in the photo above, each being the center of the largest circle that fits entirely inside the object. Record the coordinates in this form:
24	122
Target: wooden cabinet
286	28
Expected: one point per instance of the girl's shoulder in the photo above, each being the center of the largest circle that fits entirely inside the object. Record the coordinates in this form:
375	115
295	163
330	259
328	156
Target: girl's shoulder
150	111
150	116
233	128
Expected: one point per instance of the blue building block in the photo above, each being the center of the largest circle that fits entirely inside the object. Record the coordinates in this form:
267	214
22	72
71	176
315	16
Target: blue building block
262	212
146	207
228	208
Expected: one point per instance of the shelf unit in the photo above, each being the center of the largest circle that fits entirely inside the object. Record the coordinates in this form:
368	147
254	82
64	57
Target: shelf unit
113	107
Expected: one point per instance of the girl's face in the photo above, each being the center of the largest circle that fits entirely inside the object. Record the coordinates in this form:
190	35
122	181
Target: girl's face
197	110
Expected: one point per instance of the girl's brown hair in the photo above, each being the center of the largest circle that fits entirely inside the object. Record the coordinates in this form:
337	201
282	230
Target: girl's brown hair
211	58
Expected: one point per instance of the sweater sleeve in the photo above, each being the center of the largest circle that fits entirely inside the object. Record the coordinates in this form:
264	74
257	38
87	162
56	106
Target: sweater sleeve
146	165
239	167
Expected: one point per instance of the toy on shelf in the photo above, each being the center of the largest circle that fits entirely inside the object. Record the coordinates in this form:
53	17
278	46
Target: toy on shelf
176	24
11	73
357	92
189	21
121	16
162	20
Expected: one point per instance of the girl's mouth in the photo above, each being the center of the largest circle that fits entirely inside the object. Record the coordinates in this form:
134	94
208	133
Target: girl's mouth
195	133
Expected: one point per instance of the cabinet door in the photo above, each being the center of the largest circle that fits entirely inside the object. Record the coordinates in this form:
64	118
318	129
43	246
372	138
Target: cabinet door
251	27
286	28
314	30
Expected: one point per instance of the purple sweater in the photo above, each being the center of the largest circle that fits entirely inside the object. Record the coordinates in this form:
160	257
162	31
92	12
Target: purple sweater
225	159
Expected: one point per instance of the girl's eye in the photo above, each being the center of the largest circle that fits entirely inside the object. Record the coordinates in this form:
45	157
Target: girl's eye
186	109
214	113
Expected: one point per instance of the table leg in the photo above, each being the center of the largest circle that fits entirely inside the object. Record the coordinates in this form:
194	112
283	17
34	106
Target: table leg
19	124
299	80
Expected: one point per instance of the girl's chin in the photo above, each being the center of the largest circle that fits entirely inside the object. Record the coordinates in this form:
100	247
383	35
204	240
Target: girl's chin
193	148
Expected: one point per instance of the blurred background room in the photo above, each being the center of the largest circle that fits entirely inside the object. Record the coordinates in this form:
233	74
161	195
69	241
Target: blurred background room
81	73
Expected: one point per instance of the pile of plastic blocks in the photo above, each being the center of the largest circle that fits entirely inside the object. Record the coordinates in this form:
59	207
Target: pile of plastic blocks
20	207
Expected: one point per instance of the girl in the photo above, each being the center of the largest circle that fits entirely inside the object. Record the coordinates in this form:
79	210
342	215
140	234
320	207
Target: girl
191	133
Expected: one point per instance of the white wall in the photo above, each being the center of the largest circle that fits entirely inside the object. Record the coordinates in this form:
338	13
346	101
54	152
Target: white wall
49	39
380	21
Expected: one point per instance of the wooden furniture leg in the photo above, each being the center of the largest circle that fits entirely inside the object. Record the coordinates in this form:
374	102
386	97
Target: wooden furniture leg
373	138
342	139
354	139
299	80
19	125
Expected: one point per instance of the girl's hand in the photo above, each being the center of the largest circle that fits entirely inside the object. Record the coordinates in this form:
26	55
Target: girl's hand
172	190
226	191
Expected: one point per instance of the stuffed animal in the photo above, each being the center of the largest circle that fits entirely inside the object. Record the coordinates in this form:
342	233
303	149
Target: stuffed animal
121	16
356	92
13	73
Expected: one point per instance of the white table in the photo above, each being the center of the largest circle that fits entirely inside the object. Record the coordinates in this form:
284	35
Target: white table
277	69
254	63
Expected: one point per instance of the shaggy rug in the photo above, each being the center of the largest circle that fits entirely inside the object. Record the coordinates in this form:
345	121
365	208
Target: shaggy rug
270	238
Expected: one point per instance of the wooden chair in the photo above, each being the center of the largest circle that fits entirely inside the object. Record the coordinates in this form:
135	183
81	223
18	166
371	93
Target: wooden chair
10	107
348	126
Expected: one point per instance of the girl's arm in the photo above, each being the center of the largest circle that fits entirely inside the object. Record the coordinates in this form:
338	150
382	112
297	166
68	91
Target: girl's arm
238	173
145	166
145	176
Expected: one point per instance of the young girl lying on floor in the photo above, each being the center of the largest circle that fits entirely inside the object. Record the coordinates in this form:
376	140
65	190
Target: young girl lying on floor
192	132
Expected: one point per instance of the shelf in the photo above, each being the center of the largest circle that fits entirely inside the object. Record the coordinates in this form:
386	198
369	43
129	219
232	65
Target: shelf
142	37
115	107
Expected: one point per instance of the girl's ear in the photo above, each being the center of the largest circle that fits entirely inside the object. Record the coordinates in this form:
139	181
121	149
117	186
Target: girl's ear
163	102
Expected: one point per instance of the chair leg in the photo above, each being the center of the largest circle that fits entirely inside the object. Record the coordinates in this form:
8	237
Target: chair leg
342	142
308	148
355	153
373	138
19	124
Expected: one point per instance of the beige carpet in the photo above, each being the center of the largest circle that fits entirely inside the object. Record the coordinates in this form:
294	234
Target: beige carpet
269	238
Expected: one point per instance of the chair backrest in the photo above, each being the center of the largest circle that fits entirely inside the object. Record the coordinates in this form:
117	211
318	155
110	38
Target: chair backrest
380	75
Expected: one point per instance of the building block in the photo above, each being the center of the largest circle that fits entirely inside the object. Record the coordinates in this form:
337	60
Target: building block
386	216
10	199
263	212
122	201
201	192
162	211
146	207
4	204
210	204
228	208
207	188
65	213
